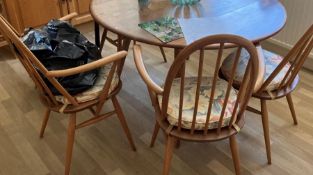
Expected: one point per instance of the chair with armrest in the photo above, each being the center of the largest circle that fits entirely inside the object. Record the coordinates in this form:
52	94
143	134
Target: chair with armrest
106	88
200	106
280	78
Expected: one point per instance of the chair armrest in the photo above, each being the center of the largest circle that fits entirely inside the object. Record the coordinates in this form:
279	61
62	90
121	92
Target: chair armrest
143	72
259	81
87	67
68	17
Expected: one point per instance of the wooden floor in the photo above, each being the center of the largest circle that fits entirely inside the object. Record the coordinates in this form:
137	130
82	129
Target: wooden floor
103	148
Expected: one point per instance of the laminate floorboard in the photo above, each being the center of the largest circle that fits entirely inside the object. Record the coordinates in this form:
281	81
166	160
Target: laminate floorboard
102	149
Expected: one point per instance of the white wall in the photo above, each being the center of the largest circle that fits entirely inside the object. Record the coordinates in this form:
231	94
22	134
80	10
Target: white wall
300	17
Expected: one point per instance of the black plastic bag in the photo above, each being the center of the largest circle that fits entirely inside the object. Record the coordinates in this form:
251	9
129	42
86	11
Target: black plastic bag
59	46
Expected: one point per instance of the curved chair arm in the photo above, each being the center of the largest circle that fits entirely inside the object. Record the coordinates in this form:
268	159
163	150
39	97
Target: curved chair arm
87	67
143	72
68	17
259	81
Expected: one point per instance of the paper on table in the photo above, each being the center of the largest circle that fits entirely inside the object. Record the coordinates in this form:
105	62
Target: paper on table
197	28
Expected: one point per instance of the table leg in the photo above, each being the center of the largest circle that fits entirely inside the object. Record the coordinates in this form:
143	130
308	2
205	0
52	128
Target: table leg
176	52
97	34
123	44
103	38
182	70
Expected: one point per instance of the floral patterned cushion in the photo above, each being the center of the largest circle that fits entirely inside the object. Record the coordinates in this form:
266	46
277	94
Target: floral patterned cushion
97	88
189	101
271	62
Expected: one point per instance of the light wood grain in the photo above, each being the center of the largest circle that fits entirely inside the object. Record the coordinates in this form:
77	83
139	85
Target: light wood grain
102	148
230	15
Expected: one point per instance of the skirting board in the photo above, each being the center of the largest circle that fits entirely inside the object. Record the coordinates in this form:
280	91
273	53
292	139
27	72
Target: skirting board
283	48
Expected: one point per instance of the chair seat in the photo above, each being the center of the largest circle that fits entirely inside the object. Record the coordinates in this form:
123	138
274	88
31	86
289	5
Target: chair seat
189	102
271	62
95	91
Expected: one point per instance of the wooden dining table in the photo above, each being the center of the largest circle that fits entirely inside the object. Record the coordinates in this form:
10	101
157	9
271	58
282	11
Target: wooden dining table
256	20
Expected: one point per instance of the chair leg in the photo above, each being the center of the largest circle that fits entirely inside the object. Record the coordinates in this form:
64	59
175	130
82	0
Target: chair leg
235	154
163	53
292	109
44	122
168	154
70	142
155	134
121	117
266	130
178	143
104	35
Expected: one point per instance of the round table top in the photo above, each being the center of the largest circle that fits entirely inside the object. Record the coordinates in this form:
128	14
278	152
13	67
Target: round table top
255	20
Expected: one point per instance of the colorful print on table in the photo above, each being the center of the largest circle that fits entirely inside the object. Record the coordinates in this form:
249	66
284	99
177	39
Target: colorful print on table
165	29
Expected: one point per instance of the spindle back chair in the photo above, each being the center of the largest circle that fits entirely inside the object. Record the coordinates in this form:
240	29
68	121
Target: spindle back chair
292	63
70	103
201	107
294	60
280	80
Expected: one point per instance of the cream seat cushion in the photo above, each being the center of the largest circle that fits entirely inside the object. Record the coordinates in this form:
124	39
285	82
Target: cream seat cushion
97	88
189	102
271	62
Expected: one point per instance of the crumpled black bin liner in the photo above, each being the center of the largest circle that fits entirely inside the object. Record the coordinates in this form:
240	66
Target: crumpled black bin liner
58	45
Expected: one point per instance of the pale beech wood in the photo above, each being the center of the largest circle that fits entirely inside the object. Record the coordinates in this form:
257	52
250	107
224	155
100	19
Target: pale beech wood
87	67
266	131
143	72
261	73
70	142
297	55
102	149
113	15
33	66
121	117
68	17
178	71
170	143
163	54
103	38
218	64
296	58
154	134
292	109
45	122
235	154
81	7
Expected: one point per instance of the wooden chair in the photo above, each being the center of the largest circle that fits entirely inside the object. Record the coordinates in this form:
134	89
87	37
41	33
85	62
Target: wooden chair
280	78
107	86
203	107
115	43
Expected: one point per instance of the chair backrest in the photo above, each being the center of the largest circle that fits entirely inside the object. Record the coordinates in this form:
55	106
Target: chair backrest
207	65
34	67
297	56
